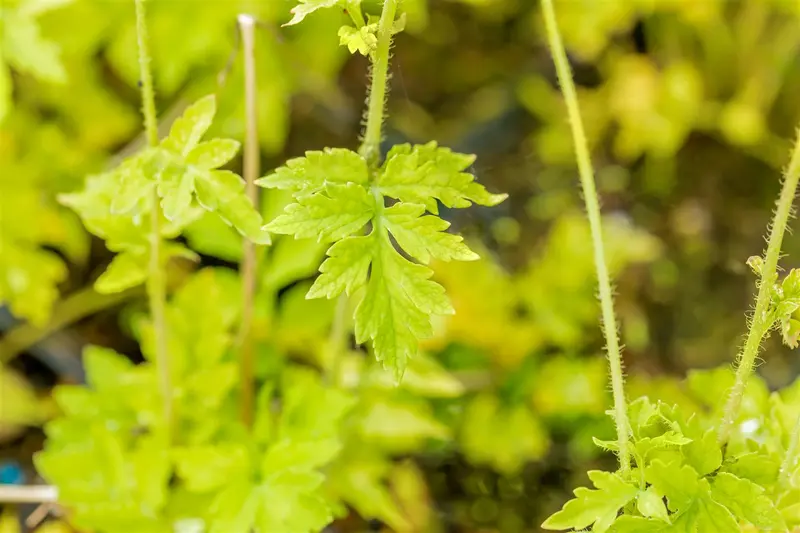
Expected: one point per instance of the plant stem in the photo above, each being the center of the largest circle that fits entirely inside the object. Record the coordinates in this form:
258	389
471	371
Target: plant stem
371	145
146	78
336	341
790	459
156	280
251	170
69	310
370	150
593	210
762	321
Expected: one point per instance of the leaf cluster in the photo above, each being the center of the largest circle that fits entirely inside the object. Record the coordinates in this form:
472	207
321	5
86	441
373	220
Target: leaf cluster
684	481
117	469
337	197
180	178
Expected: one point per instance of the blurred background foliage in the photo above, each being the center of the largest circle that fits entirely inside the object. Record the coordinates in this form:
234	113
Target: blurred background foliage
689	107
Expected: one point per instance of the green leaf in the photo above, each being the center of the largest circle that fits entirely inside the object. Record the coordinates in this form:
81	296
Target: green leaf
291	260
424	174
223	192
105	368
33	8
330	216
189	128
210	235
292	502
709	516
362	40
134	185
151	466
424	377
703	453
21	404
395	311
175	188
29	279
758	468
346	268
289	454
235	508
310	409
670	439
747	501
359	480
206	468
399	425
212	154
503	437
651	504
679	483
315	170
306	7
333	201
94	205
790	331
598	507
26	50
424	237
637	524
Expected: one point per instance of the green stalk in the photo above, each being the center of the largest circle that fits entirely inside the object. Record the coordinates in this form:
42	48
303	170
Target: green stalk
251	171
156	280
790	459
69	310
370	150
371	145
762	321
593	210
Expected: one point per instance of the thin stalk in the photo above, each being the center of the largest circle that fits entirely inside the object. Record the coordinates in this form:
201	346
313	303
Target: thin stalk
337	338
251	171
762	321
371	144
156	279
74	307
790	459
28	493
593	210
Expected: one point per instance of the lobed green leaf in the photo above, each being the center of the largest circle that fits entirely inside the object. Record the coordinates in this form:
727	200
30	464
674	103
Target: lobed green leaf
424	174
222	191
598	507
345	269
306	7
189	128
747	501
330	215
318	168
424	237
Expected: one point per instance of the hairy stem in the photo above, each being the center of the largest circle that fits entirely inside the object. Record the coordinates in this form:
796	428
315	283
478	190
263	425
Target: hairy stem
370	150
251	170
593	210
762	320
371	145
156	280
